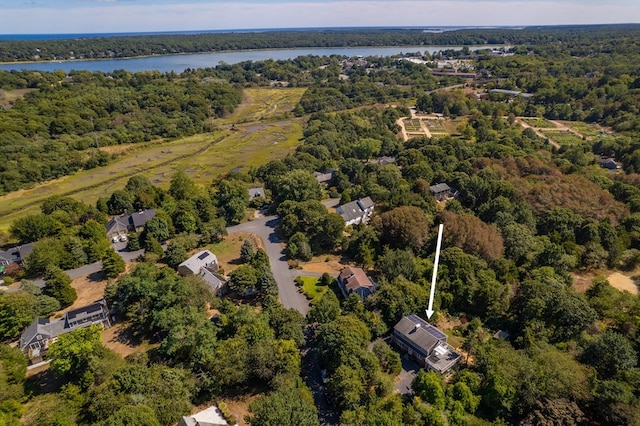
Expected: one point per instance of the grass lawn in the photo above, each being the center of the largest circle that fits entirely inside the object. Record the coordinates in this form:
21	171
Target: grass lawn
539	122
203	156
562	137
585	129
311	289
451	126
227	251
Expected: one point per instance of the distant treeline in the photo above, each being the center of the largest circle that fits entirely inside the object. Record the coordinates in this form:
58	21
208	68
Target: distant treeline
131	46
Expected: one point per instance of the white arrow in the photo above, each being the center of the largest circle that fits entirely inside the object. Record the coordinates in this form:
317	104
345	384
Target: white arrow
435	273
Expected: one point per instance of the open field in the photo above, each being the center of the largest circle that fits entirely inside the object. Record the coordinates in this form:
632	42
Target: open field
264	104
451	126
586	129
203	156
562	137
8	97
539	122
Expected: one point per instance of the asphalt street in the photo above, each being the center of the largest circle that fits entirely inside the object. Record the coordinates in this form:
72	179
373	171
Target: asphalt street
265	228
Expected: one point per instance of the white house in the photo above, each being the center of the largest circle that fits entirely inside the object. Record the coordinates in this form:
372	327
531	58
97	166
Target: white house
356	211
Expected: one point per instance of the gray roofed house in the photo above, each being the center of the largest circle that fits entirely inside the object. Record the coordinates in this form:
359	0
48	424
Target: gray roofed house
442	191
15	254
35	340
117	226
202	259
138	220
256	192
204	264
608	163
356	211
129	222
425	344
9	256
324	177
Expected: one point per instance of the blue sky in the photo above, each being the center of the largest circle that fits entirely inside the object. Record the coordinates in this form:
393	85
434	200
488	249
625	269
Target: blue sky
98	16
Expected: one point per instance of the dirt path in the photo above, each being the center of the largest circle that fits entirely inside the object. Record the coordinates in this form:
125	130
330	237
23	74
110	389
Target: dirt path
537	131
425	129
403	131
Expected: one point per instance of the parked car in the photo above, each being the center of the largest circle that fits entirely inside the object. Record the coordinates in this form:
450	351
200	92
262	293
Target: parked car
115	239
123	238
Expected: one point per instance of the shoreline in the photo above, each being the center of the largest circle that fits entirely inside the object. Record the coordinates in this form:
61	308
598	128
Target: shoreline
154	55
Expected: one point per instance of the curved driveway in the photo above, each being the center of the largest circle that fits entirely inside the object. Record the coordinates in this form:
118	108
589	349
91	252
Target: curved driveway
265	228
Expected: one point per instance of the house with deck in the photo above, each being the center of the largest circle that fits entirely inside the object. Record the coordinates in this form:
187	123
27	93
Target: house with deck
36	339
442	192
425	344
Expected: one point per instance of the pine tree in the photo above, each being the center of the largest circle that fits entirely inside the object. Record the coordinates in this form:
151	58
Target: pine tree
58	285
112	264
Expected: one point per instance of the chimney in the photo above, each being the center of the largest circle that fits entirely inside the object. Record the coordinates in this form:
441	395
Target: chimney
417	327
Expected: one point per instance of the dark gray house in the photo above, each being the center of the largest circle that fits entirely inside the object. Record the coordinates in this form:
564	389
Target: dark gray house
133	222
35	340
425	344
442	191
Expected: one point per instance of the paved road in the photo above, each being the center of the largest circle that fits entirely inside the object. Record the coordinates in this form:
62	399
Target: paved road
264	227
88	269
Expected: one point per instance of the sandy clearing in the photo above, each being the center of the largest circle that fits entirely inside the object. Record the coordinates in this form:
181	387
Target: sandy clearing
623	283
322	264
90	288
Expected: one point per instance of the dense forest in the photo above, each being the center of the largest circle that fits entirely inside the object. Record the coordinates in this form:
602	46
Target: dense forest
527	220
130	46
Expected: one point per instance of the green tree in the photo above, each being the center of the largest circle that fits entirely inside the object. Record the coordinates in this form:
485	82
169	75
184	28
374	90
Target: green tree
181	186
286	407
298	247
428	386
158	228
247	251
232	198
610	354
243	279
72	352
112	264
326	310
296	185
32	228
17	311
13	370
120	201
58	286
176	253
130	415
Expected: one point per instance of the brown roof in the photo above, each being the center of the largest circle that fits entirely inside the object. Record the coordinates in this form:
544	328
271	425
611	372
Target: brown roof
355	278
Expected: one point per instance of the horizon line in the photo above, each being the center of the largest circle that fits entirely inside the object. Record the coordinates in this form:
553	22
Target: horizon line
282	29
